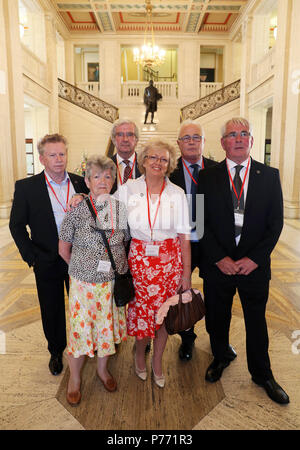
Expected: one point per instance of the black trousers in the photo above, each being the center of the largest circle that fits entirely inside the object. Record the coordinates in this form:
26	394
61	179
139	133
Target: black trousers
218	301
51	277
188	336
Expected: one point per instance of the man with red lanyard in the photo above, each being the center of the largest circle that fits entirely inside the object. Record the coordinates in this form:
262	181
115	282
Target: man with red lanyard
125	136
191	142
40	202
243	219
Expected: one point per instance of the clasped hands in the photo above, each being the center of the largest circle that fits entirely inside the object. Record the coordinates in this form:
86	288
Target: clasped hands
242	266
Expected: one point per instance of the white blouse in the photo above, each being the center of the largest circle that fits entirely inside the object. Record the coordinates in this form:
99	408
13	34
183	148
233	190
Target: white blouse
172	216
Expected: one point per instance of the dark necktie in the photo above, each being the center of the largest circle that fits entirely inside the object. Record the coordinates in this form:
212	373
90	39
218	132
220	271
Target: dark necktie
195	173
238	186
127	170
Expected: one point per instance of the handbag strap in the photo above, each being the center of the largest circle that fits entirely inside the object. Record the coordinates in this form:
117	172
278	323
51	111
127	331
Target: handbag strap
102	234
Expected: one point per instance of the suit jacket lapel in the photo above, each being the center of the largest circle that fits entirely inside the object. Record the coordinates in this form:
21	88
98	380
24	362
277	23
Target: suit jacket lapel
253	186
45	202
225	184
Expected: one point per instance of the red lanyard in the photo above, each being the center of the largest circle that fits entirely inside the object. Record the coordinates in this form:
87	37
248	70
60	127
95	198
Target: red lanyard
243	184
202	167
148	205
130	175
68	192
111	217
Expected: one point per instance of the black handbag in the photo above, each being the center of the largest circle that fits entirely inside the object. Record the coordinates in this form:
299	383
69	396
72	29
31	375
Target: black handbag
123	287
183	316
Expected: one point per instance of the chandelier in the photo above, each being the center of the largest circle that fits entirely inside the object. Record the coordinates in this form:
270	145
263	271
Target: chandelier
149	54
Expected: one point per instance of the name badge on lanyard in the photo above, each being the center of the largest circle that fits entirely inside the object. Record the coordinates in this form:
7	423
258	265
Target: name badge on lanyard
152	250
239	217
104	266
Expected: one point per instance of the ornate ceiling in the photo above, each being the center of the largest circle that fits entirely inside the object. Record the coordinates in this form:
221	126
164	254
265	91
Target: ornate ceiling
129	16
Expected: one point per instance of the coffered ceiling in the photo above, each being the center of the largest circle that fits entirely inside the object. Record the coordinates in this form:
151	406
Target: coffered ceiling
129	16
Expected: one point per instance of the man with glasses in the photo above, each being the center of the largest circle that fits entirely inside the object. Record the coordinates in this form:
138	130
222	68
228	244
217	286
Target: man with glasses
243	219
125	136
191	142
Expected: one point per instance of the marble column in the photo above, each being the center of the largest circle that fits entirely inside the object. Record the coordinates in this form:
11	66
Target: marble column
246	65
13	159
285	152
110	71
51	44
188	71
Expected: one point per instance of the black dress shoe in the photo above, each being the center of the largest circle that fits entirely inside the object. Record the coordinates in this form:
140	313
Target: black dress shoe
230	354
274	391
186	351
215	370
55	364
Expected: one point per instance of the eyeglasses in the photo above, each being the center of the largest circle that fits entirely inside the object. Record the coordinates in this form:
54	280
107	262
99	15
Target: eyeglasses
234	134
122	134
155	159
188	138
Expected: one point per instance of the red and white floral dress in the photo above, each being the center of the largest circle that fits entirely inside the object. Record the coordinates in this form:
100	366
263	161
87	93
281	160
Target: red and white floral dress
155	280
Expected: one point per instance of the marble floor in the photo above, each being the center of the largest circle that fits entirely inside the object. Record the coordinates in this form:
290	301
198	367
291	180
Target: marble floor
32	399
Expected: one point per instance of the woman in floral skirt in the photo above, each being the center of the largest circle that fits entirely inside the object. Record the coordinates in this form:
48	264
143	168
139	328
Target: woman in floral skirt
95	321
159	256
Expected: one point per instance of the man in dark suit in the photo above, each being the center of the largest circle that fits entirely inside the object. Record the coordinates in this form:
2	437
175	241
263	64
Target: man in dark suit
243	219
125	136
40	203
191	142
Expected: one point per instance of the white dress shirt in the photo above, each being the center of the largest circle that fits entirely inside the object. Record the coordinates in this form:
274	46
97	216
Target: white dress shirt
173	213
231	166
188	185
61	191
122	165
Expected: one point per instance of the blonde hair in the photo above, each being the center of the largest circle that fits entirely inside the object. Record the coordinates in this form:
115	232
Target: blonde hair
161	145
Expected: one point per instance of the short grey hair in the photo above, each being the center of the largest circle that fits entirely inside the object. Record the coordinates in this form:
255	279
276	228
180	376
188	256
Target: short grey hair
191	122
119	122
159	144
101	163
51	139
236	121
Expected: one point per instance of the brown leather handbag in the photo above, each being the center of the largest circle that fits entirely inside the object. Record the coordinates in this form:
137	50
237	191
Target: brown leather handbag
183	316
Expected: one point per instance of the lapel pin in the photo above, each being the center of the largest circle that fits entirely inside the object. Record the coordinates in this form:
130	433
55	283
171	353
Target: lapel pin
258	171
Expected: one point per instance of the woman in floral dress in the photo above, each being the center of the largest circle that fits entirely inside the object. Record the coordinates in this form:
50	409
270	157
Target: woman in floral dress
159	256
95	321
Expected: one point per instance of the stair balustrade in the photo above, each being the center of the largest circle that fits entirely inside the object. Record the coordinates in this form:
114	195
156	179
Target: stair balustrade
211	102
87	101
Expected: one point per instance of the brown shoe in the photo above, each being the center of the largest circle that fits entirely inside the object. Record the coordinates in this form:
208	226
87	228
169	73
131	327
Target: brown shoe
73	398
110	385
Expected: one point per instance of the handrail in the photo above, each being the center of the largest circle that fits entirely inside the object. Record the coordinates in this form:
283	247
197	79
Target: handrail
87	101
210	102
150	73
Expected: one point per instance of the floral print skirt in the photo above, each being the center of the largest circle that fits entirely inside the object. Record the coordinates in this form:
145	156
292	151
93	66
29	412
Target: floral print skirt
156	278
96	323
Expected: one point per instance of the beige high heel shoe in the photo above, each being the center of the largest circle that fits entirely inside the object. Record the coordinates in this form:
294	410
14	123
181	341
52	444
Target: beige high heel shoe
141	373
159	380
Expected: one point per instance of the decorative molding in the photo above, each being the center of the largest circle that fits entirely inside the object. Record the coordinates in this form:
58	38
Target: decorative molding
210	102
87	101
